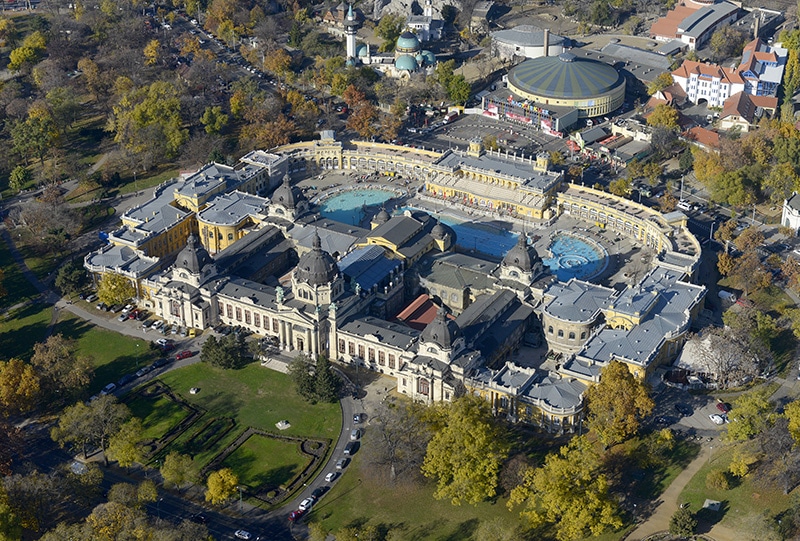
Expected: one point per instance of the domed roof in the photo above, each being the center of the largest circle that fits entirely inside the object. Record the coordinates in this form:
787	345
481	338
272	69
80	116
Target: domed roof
382	217
406	62
286	194
565	76
362	50
194	257
407	42
420	59
350	62
430	58
441	330
438	232
522	255
316	267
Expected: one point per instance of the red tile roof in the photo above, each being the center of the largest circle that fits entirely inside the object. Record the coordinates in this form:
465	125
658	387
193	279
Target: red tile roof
703	136
419	313
711	70
667	26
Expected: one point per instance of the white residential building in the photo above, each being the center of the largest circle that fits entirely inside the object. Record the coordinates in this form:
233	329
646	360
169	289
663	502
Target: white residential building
708	82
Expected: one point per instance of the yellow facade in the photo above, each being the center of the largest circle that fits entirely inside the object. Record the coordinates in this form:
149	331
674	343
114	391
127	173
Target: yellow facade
166	242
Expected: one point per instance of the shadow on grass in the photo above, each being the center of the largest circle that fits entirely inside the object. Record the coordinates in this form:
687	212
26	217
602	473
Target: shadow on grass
707	519
19	342
247	464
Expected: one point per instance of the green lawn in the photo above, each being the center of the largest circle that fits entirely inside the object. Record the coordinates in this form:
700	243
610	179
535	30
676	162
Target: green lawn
158	414
17	287
144	182
22	328
264	463
253	397
113	354
743	504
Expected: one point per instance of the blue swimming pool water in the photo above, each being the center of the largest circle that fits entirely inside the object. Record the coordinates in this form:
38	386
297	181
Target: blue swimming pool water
574	258
349	207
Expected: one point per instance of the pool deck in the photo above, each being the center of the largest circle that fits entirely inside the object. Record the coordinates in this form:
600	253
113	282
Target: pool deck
625	255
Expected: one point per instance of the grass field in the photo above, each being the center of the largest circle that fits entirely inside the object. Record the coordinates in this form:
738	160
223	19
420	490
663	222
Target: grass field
743	505
266	463
158	414
113	354
22	328
253	397
17	287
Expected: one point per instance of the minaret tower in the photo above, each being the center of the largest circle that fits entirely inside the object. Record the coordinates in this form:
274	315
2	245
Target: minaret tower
351	26
428	9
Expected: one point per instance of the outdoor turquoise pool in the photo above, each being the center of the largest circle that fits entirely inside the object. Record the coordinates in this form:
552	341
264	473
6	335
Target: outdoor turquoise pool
575	257
352	206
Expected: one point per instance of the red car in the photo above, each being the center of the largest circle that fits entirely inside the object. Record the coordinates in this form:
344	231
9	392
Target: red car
723	407
296	514
183	355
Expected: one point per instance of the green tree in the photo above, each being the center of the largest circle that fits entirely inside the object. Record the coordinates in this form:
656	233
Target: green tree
64	106
115	288
726	42
465	452
569	494
125	445
178	469
663	115
34	136
459	90
152	52
659	83
20	176
71	277
214	119
752	412
717	480
19	387
86	425
228	352
617	404
389	29
683	522
326	383
621	187
221	486
10	526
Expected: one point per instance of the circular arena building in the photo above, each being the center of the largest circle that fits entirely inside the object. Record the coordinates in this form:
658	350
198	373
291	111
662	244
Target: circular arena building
593	88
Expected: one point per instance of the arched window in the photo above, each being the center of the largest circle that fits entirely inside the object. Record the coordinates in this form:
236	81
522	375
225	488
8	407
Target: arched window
550	329
583	335
423	387
572	336
560	333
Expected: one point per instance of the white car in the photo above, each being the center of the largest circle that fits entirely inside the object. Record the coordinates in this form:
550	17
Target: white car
716	419
242	534
331	476
307	504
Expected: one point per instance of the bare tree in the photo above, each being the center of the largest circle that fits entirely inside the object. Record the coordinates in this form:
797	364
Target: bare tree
725	358
400	437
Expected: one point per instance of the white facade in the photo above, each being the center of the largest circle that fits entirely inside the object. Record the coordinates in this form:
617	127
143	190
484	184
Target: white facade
707	82
791	213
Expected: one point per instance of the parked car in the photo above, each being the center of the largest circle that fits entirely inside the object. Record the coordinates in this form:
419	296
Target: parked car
356	418
319	491
102	306
142	371
127	309
198	518
242	534
296	514
723	407
157	324
124	380
158	363
183	355
351	448
717	419
342	463
331	476
122	318
108	389
307	504
355	434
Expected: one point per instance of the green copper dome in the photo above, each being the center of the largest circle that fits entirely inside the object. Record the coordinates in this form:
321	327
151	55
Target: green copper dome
406	62
407	43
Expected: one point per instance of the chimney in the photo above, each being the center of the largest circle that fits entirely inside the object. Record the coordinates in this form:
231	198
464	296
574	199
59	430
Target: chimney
757	23
546	44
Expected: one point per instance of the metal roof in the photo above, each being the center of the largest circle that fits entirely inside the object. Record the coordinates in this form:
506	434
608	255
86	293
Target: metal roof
368	267
565	76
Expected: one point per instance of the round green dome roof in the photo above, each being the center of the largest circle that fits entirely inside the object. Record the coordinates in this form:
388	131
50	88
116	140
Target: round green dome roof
362	50
565	76
406	62
429	57
407	42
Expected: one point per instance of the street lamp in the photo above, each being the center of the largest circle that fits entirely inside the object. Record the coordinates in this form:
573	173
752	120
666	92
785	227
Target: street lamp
240	487
158	507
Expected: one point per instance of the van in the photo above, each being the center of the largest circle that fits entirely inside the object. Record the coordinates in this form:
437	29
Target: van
726	296
350	448
91	298
684	205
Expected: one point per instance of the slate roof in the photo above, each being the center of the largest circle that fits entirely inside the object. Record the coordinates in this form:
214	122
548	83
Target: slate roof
577	301
517	170
231	208
385	332
526	36
701	21
556	392
458	271
122	258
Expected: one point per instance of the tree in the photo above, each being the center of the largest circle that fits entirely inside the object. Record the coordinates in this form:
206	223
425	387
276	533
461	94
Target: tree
61	372
726	42
361	119
749	239
401	434
229	352
214	119
221	485
152	52
752	412
727	358
19	178
326	383
178	469
115	288
33	497
34	136
71	277
19	387
663	115
278	62
125	445
90	425
621	187
659	83
10	527
459	90
389	29
568	494
683	522
465	452
617	404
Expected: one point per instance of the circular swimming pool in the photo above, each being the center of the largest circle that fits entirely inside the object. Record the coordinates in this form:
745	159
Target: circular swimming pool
575	256
353	206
